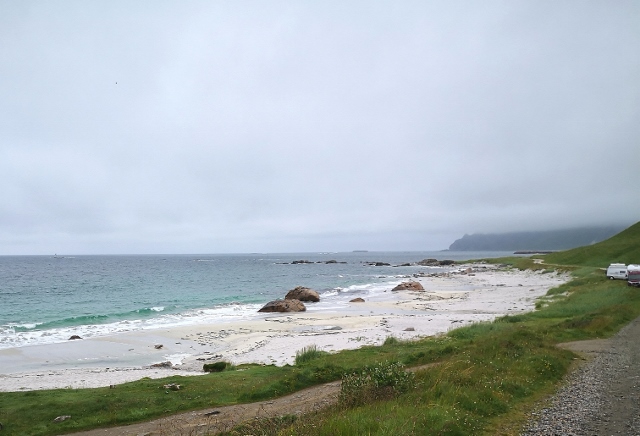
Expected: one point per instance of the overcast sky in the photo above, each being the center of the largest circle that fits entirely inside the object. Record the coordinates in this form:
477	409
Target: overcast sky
279	126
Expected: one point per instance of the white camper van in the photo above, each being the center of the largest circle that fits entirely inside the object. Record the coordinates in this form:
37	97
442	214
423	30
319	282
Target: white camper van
617	271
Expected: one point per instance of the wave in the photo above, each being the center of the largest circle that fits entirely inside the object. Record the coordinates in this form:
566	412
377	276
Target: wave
168	316
23	334
82	320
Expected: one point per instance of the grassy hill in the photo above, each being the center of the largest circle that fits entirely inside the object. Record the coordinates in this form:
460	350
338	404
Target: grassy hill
622	248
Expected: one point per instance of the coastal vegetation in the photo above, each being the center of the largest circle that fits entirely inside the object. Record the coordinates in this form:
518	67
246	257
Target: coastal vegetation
480	379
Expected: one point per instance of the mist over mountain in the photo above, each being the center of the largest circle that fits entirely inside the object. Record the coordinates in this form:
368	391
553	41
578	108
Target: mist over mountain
534	241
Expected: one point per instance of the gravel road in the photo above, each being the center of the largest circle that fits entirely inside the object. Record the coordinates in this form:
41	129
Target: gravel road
602	397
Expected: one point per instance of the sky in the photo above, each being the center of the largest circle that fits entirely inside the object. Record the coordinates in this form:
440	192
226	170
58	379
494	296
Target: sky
300	126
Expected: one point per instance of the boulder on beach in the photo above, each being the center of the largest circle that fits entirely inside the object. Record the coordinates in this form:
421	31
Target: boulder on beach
284	306
409	286
357	300
303	294
74	337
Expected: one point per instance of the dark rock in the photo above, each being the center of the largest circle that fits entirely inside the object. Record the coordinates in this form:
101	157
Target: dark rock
409	286
357	300
446	262
284	306
297	262
214	367
303	294
166	364
410	329
213	412
74	337
377	263
158	346
428	262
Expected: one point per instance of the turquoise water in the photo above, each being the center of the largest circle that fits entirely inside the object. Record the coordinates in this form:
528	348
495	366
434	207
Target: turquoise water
45	299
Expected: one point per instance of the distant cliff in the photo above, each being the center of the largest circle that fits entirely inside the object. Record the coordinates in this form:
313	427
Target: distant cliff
534	241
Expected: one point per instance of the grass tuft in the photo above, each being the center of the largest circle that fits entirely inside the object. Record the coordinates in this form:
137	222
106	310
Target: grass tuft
308	354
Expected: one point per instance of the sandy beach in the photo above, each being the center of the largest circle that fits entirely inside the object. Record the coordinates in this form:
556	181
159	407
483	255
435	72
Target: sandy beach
473	293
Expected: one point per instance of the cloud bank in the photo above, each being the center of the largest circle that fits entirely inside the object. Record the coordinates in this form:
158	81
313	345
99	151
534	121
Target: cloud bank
205	127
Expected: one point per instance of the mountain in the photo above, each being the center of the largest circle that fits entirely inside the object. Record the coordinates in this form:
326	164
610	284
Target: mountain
621	248
551	240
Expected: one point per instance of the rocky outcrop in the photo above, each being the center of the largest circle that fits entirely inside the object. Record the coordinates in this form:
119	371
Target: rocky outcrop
303	294
284	306
435	262
357	300
409	286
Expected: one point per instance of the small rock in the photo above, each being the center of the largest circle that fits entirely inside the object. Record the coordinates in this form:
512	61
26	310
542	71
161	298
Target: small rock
357	300
410	329
166	364
172	386
409	286
74	337
214	412
158	346
62	418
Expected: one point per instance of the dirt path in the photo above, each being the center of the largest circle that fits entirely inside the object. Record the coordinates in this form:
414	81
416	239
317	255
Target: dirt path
211	421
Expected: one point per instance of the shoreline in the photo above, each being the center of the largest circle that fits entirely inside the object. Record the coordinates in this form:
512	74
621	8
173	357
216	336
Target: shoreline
477	292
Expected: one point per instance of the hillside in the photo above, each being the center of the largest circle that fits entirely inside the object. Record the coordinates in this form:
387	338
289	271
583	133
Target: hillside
540	241
623	248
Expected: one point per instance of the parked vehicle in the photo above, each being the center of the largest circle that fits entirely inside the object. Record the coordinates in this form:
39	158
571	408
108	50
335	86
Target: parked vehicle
633	278
617	271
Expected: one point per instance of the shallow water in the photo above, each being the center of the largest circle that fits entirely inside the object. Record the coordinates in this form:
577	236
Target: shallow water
46	299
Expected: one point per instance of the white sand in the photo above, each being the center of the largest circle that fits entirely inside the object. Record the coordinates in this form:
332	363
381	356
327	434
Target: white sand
449	301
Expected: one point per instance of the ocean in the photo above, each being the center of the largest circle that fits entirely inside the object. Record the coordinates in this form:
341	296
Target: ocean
47	299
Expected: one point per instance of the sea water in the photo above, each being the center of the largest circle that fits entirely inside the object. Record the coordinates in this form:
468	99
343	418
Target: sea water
46	299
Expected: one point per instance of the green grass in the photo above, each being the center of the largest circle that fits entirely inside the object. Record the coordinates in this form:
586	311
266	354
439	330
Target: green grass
308	354
486	377
621	248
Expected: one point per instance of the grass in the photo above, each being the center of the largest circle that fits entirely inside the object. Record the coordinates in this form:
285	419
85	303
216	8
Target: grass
487	377
621	248
308	354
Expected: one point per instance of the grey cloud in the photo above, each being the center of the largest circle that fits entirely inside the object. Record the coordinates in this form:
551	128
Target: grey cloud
280	126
